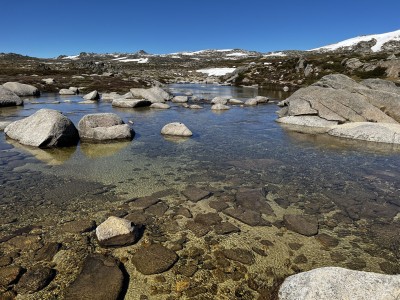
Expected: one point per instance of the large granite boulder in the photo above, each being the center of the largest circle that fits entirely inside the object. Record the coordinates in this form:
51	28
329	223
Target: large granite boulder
332	283
46	128
22	89
9	98
367	131
103	127
341	99
176	129
154	94
66	92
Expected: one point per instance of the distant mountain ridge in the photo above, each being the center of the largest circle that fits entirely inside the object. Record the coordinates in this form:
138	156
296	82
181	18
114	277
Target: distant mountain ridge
389	41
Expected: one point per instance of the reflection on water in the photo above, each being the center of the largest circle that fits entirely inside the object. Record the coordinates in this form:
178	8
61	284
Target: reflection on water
53	157
97	150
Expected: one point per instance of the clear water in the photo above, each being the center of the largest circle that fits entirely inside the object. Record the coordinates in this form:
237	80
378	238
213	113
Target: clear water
353	187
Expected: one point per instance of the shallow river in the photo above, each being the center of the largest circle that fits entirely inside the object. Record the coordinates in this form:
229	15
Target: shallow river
352	188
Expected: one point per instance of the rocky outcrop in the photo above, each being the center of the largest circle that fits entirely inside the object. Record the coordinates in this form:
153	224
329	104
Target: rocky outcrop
45	129
9	98
333	283
366	131
339	99
21	89
103	127
154	94
176	129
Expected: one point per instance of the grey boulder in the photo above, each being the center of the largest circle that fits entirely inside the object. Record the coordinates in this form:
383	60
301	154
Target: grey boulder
220	100
180	99
220	106
154	94
332	283
92	96
130	103
103	127
176	129
9	98
22	89
367	131
160	106
66	92
46	128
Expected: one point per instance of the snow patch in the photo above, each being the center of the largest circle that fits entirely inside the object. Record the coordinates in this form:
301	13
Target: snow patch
275	54
138	60
73	57
236	54
216	71
381	39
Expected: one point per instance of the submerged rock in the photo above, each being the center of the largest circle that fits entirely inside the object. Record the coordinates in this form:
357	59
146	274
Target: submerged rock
332	283
305	225
177	129
21	89
116	232
45	129
9	98
35	279
154	259
103	127
195	194
100	279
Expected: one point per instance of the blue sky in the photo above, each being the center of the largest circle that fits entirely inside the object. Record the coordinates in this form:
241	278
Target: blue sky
45	28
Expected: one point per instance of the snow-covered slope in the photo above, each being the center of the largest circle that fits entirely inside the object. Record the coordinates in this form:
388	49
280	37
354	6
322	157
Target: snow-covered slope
382	40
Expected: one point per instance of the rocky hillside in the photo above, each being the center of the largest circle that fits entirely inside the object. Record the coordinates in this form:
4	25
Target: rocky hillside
375	56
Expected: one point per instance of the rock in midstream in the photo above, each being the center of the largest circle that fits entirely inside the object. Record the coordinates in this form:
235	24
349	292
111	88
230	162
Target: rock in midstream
117	232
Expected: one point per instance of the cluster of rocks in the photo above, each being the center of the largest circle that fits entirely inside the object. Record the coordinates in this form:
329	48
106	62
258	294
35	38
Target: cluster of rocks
340	106
10	93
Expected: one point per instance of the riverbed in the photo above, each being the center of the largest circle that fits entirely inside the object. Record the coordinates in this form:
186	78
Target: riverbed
352	188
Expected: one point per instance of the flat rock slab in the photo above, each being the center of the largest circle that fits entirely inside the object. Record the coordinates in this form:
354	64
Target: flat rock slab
144	202
195	194
248	217
47	252
305	225
367	131
34	280
100	279
241	255
208	219
253	199
333	283
198	229
79	226
154	259
226	228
